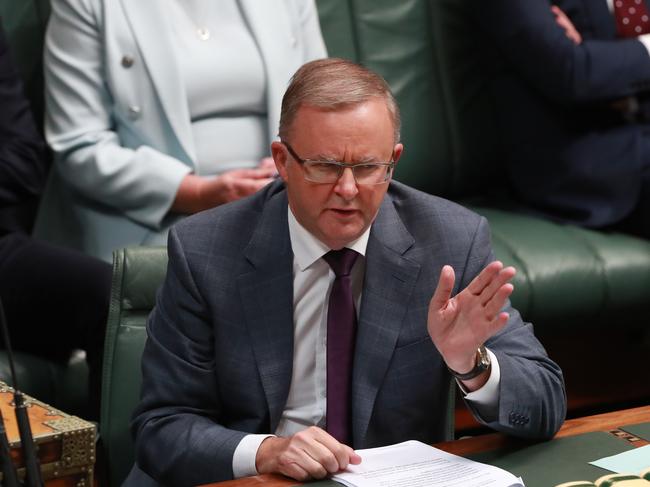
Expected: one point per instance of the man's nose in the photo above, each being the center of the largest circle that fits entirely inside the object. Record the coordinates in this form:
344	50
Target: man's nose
346	186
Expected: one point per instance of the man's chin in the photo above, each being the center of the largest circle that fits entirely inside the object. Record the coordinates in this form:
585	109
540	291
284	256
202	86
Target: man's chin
338	236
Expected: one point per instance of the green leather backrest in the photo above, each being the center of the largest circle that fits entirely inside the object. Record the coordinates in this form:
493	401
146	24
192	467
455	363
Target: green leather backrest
137	274
427	52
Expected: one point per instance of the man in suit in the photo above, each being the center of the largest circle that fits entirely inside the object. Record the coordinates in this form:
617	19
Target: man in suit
246	367
55	299
572	99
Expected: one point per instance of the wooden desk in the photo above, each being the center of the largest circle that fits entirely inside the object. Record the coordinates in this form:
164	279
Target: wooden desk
600	422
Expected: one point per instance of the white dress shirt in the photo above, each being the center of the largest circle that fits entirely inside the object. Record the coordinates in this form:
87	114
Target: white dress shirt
307	402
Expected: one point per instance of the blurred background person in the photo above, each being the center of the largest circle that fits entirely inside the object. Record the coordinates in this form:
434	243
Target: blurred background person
55	299
573	104
157	109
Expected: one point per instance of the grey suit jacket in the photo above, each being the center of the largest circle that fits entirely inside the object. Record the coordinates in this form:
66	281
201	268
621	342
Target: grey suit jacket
218	360
120	131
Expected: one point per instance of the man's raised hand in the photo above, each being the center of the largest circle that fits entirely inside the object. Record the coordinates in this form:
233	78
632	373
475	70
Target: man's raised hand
459	325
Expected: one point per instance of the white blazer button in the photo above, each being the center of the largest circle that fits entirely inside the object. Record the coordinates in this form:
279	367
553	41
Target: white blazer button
127	61
134	112
293	41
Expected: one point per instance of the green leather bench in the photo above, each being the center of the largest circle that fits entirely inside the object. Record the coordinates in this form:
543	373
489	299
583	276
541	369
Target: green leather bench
137	274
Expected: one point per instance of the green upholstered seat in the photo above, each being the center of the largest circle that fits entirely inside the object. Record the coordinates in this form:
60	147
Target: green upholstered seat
137	274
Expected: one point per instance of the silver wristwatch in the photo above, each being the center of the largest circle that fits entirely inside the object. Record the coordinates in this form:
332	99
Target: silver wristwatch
481	365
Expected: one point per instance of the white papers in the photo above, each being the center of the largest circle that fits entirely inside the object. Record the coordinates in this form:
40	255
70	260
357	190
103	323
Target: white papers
414	464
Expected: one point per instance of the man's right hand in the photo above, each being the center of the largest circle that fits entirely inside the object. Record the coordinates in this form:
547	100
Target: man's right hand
309	454
563	21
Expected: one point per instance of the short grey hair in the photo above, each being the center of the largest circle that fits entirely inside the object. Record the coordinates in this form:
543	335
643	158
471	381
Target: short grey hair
334	84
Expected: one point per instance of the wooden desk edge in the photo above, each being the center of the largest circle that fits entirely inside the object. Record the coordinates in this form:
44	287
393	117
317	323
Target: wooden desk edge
491	441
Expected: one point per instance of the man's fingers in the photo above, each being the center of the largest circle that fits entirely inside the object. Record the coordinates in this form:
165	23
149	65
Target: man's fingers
295	471
341	452
565	23
301	462
498	322
494	305
324	449
355	459
484	278
503	277
444	288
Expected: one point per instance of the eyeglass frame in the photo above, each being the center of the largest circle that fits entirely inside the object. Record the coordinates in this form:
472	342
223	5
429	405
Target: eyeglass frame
390	166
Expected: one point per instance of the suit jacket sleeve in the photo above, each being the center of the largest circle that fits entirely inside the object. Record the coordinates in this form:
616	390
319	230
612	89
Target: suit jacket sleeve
81	121
23	165
538	50
179	440
532	399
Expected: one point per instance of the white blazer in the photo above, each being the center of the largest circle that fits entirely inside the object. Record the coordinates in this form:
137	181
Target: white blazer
117	114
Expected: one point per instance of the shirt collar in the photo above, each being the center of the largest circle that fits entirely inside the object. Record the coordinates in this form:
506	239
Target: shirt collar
307	249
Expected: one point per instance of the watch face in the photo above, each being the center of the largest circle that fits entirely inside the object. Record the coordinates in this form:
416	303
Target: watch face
484	358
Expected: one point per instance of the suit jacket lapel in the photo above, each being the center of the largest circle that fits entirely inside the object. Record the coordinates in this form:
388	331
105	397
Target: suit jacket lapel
388	284
267	291
152	31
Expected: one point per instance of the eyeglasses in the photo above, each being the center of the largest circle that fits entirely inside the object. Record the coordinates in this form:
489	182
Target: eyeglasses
323	171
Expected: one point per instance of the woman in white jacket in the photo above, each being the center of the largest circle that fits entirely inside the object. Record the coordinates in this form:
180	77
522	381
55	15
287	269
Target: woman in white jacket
161	108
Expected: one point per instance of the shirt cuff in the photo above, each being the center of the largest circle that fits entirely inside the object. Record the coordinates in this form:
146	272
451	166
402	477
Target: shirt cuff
487	396
645	40
243	460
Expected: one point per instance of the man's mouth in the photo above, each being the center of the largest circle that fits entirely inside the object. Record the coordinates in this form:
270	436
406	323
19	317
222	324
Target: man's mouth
343	211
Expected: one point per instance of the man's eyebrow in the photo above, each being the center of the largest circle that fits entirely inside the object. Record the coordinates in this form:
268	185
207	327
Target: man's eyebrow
331	158
322	157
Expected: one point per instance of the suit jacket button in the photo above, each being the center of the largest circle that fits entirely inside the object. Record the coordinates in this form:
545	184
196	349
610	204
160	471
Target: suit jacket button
127	61
134	112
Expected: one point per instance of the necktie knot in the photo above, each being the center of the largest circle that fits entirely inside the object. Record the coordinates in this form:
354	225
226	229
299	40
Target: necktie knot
341	261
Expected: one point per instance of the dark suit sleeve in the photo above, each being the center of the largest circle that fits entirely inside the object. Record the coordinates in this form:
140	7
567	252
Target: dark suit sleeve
178	438
22	163
532	399
526	34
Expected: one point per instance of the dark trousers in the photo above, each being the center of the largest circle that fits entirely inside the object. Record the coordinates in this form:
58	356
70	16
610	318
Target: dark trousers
56	300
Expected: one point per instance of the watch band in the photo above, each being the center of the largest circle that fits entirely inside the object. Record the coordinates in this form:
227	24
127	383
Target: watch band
481	365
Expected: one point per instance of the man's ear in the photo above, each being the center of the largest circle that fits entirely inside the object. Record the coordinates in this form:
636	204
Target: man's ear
397	152
279	154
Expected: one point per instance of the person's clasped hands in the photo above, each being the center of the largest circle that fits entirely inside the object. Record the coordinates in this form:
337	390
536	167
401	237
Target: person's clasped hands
198	193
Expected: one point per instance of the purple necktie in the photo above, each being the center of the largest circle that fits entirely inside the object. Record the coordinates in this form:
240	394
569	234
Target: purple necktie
341	332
